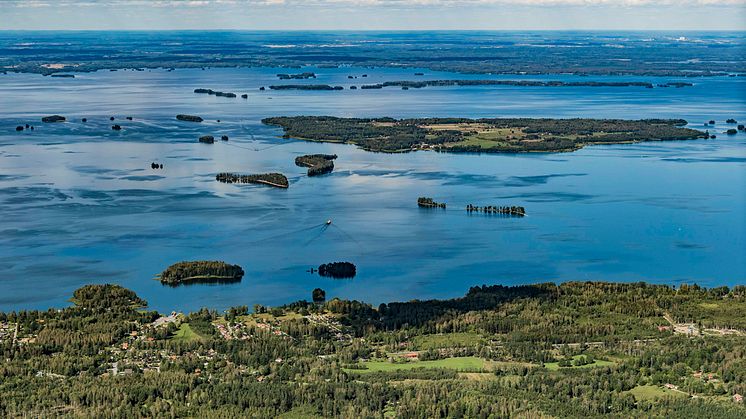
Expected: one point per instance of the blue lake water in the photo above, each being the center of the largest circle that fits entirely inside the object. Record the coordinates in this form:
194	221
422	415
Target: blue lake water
81	205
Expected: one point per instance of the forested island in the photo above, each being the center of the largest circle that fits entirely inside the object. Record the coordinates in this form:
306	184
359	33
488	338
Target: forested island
215	93
573	350
338	270
495	135
496	209
53	118
318	164
200	271
277	180
429	203
299	76
189	118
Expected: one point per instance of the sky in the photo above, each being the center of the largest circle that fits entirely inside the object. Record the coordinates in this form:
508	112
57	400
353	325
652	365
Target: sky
373	14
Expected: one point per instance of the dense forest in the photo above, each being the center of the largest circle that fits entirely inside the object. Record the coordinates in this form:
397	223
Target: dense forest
580	349
506	135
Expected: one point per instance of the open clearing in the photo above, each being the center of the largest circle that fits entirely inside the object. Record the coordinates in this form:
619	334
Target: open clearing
186	334
467	363
554	366
653	392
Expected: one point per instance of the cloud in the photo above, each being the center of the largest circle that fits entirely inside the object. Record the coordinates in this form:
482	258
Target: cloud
400	3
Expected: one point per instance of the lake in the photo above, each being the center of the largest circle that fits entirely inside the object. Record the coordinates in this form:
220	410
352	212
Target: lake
80	203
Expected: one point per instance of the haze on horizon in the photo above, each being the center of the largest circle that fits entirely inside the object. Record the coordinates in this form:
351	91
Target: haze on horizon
373	14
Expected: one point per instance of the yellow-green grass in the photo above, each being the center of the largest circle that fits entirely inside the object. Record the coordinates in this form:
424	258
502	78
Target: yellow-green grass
466	363
448	340
186	334
554	366
653	392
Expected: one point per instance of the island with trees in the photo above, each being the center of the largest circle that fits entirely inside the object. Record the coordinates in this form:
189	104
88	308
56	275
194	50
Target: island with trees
514	210
189	118
491	135
277	180
200	271
214	93
339	270
429	203
299	76
53	118
317	164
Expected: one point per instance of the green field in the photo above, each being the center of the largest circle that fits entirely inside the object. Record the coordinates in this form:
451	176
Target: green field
554	366
185	334
449	340
467	363
653	392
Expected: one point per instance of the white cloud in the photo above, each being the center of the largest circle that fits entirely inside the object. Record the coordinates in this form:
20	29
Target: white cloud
208	3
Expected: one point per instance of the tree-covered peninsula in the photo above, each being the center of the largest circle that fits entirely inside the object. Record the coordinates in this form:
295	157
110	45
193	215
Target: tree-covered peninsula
494	135
200	271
